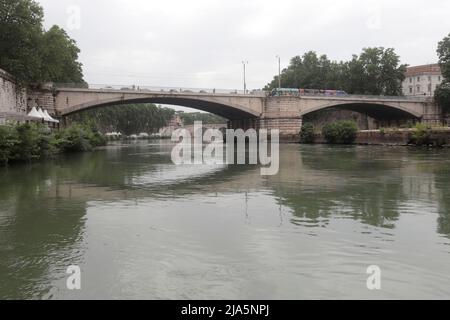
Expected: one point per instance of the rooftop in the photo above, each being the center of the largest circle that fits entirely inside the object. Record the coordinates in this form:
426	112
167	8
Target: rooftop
427	69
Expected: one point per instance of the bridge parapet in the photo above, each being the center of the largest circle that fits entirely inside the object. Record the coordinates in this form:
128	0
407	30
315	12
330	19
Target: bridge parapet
155	89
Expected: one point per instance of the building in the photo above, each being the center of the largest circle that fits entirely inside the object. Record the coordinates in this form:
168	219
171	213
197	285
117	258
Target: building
175	123
176	120
422	80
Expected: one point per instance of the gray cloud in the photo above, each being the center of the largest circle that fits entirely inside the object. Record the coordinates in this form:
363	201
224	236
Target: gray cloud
202	43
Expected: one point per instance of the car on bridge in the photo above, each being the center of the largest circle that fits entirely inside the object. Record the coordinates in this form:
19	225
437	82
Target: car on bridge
305	92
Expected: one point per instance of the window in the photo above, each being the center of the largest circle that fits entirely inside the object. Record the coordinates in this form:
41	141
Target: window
429	87
410	90
418	89
418	79
410	80
439	78
429	78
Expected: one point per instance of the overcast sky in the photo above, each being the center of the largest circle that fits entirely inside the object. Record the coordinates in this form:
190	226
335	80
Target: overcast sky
201	44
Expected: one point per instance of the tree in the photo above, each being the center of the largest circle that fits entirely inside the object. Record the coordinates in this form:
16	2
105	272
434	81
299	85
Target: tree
29	53
20	35
444	57
128	119
375	71
442	93
60	55
309	71
206	118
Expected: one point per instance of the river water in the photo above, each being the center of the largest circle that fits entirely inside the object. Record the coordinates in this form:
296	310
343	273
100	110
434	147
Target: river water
140	227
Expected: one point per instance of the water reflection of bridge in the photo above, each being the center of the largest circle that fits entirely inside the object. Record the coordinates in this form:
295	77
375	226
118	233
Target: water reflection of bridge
51	200
311	183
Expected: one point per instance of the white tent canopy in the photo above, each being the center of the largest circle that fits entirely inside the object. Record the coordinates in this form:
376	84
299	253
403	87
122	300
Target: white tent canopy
49	118
35	114
41	113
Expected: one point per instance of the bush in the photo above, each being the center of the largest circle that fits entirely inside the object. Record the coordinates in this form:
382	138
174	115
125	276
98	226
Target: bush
340	132
307	133
79	138
8	140
422	136
74	139
27	142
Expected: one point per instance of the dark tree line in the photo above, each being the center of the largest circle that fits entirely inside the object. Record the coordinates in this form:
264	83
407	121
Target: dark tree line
376	71
127	119
32	54
206	118
442	93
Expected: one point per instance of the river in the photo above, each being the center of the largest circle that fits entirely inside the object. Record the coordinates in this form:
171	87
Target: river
140	227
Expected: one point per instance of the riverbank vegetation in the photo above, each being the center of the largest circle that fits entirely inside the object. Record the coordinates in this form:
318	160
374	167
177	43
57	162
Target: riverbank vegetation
206	118
30	142
337	132
375	71
32	54
307	133
340	132
127	119
427	136
138	118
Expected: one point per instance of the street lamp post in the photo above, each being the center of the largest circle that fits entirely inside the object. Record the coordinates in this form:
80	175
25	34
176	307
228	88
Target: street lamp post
279	72
245	63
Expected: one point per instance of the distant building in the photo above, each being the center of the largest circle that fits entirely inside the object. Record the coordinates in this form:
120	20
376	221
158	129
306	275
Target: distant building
422	80
176	121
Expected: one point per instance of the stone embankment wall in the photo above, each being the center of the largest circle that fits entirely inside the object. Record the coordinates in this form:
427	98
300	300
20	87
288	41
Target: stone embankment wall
400	137
13	100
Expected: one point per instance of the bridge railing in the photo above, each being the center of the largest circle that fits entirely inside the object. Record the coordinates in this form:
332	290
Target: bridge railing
381	97
209	91
149	89
352	96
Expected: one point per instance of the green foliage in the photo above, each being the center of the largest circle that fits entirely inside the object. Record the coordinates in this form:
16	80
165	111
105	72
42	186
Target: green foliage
442	96
25	142
8	139
307	133
423	136
206	118
442	93
375	71
28	147
74	139
79	138
28	142
340	132
444	57
32	54
127	119
20	34
63	52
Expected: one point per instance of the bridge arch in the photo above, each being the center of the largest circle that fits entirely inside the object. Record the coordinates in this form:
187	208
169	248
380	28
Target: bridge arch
375	110
221	107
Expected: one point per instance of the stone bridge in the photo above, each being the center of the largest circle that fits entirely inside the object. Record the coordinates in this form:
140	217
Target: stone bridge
250	110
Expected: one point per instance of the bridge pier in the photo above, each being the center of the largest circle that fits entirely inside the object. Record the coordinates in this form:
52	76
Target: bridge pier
289	128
